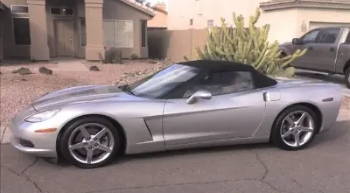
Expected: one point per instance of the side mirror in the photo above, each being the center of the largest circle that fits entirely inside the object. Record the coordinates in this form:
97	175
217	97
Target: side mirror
297	41
201	94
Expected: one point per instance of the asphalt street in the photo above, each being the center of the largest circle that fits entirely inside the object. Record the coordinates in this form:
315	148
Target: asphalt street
324	167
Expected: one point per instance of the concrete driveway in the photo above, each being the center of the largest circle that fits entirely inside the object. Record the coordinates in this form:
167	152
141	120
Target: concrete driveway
324	167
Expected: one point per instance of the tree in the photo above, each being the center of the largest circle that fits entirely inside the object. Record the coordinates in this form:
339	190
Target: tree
248	45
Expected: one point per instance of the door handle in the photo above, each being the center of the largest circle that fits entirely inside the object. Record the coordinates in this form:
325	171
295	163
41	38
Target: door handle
331	49
310	48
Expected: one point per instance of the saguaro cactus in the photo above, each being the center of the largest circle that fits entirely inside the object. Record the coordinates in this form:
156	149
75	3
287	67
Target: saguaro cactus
248	45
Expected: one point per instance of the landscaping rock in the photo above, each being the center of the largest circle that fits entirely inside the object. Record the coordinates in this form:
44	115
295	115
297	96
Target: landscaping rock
22	71
94	68
44	70
152	61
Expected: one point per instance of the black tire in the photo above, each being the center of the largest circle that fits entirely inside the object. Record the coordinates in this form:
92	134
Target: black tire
276	133
347	77
73	127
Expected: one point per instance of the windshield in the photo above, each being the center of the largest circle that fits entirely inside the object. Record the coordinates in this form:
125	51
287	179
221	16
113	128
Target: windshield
163	81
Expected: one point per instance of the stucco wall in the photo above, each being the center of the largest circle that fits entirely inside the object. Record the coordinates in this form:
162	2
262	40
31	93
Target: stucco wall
287	24
282	28
159	20
11	50
113	9
175	45
181	11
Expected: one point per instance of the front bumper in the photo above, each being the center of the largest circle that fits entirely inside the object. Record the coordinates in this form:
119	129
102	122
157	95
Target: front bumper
40	144
32	150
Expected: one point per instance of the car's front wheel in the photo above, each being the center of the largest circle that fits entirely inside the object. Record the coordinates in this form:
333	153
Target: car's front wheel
294	128
90	142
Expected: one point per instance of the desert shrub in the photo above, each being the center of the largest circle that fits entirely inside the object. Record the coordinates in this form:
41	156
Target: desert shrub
134	56
248	45
113	56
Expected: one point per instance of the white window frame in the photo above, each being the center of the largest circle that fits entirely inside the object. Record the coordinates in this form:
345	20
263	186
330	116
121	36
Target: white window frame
19	5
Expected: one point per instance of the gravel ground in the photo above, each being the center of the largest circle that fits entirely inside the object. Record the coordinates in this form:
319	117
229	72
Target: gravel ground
17	91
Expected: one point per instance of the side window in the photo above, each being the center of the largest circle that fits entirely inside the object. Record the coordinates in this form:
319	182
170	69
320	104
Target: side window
223	83
328	36
311	37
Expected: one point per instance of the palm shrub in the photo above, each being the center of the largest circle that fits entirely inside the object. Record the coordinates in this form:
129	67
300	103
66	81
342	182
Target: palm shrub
248	45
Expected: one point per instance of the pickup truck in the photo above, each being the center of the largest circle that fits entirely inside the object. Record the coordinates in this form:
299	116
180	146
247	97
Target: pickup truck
328	51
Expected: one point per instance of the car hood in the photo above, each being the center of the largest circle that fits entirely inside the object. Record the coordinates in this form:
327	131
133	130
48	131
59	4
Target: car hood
76	94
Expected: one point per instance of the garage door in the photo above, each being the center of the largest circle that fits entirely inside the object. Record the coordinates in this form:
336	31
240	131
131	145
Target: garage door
314	25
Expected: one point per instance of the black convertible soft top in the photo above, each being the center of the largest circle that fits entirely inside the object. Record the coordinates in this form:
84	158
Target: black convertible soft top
260	80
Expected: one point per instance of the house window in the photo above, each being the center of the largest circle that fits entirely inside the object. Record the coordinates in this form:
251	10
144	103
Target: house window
119	33
67	11
62	11
82	31
21	31
19	9
143	31
191	22
55	11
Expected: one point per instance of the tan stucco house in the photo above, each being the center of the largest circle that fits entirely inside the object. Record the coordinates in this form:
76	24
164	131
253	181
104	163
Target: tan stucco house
288	18
45	29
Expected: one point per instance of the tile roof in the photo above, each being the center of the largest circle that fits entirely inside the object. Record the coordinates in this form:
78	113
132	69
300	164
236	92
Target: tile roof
139	6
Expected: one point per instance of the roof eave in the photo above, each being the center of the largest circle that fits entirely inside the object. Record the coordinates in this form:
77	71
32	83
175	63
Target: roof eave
289	4
138	7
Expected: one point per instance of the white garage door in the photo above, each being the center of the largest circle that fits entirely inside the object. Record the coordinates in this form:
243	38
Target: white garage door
314	25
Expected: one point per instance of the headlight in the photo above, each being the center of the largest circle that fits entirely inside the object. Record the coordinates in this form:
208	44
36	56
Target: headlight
43	116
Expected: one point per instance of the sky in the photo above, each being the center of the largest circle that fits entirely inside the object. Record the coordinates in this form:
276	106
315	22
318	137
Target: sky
156	1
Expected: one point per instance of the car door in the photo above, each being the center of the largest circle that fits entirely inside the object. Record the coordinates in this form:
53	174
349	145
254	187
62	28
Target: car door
234	111
308	41
325	50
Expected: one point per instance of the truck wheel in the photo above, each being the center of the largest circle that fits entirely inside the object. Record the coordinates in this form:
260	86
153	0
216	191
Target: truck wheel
347	77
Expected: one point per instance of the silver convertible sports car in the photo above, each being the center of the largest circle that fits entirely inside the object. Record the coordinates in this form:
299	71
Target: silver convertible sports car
186	105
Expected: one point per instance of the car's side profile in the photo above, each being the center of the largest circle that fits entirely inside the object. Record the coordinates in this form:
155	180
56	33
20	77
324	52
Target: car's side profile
190	104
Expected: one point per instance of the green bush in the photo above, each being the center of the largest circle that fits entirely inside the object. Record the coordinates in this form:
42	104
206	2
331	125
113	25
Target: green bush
248	45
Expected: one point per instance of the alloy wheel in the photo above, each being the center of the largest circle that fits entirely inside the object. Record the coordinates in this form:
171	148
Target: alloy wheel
297	128
91	143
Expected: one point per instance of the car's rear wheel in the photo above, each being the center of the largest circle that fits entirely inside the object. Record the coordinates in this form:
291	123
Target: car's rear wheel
295	128
90	142
347	77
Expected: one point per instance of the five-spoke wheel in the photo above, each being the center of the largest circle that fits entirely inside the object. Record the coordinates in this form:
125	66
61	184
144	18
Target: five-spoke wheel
90	142
294	128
